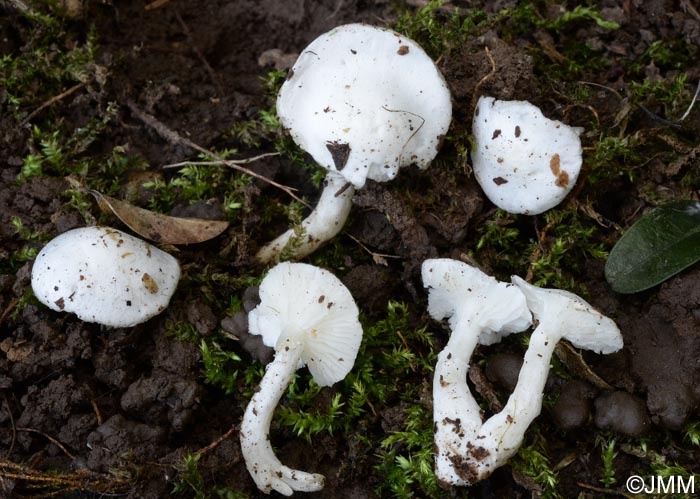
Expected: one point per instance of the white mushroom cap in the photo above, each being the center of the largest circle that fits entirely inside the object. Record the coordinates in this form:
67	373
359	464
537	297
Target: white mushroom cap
524	162
458	290
103	275
579	322
365	101
311	305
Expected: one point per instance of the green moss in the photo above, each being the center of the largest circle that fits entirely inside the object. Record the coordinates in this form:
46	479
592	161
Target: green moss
532	460
439	32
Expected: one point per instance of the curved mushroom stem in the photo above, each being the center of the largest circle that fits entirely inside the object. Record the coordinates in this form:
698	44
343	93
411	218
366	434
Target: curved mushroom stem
321	225
456	415
504	432
267	471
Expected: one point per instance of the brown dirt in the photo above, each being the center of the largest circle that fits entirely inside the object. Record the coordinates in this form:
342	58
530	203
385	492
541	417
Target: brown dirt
135	399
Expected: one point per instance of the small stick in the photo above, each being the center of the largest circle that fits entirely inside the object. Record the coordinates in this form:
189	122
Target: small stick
51	101
155	4
605	491
98	414
475	94
205	450
49	438
14	428
227	162
9	309
692	103
199	54
175	138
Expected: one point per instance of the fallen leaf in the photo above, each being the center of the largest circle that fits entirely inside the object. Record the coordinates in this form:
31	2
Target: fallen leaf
659	245
158	227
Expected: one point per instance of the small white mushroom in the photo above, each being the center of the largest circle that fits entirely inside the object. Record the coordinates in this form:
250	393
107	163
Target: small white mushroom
310	318
105	276
524	162
558	314
480	310
363	101
468	450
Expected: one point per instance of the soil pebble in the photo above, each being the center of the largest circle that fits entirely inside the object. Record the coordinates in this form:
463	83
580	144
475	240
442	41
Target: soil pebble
503	370
573	407
621	412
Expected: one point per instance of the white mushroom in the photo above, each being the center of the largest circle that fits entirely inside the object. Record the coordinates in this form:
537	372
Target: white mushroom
524	162
480	310
103	275
310	318
559	314
468	450
363	101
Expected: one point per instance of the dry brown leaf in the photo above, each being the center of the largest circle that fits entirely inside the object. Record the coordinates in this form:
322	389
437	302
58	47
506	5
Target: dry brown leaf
160	228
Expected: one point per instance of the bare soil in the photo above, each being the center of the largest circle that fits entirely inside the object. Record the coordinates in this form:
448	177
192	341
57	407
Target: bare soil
78	398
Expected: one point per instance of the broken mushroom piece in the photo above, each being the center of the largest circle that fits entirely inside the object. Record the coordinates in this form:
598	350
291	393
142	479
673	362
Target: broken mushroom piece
105	276
311	319
480	310
558	314
524	162
363	101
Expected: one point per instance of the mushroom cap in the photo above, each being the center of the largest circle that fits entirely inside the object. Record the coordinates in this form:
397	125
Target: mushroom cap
580	323
457	289
312	305
524	162
365	101
103	275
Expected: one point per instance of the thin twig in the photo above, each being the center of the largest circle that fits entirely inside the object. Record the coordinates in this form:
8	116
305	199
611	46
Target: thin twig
227	162
98	414
155	4
199	54
475	94
604	87
604	490
376	257
51	101
692	103
176	139
9	309
49	438
14	428
205	450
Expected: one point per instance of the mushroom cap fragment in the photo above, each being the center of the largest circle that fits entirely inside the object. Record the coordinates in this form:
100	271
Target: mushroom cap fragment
365	101
103	275
524	162
582	324
309	304
458	290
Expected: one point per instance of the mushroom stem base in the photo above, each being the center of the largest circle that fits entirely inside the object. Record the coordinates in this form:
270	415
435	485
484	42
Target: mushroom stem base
267	471
321	225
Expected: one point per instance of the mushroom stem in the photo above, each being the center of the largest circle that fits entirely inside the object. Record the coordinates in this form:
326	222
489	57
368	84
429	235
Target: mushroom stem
504	432
456	414
267	471
324	222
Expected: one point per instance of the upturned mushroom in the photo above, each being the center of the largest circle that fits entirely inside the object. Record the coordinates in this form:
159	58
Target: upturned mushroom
559	315
468	450
310	318
363	101
480	310
524	162
105	276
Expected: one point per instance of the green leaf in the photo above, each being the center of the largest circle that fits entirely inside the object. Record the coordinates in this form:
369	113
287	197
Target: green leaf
657	246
